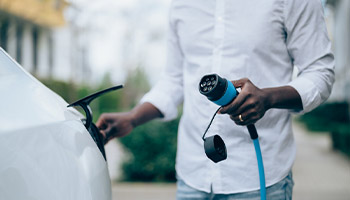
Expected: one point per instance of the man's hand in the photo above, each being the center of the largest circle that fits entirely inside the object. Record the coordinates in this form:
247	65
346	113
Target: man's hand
113	125
252	103
249	106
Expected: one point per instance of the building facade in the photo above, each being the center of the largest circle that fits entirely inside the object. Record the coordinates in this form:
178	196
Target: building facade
36	34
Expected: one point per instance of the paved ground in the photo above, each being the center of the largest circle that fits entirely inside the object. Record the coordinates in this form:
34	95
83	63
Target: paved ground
319	174
141	191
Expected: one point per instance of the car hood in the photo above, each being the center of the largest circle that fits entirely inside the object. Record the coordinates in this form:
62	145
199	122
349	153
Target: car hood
25	102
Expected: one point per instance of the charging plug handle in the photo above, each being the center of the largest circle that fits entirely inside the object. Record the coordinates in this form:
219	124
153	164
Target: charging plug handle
91	127
252	131
221	92
84	103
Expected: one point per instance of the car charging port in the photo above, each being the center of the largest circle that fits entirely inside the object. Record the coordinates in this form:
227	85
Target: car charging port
89	125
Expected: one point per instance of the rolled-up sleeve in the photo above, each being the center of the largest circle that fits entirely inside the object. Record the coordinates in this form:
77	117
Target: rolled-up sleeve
310	49
167	94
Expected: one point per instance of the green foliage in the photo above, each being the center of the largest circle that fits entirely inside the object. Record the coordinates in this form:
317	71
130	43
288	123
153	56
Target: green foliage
153	149
331	118
341	137
326	117
71	92
68	91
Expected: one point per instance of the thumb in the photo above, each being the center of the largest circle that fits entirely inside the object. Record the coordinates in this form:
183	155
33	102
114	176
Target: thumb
102	121
103	133
239	83
107	134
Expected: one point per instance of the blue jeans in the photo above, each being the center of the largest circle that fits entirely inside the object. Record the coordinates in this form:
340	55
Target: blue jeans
279	191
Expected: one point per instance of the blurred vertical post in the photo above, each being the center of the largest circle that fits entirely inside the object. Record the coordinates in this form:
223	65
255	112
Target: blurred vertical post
338	19
78	43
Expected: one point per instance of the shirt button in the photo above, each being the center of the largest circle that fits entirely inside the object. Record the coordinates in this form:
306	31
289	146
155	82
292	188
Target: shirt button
219	19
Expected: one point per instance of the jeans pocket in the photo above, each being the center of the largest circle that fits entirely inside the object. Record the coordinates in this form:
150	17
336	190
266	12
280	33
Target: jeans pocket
282	190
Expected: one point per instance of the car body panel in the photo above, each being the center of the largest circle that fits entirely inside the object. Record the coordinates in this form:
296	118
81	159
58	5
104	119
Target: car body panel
25	101
45	150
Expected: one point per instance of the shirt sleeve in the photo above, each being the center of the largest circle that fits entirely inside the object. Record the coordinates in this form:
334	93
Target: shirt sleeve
310	49
167	94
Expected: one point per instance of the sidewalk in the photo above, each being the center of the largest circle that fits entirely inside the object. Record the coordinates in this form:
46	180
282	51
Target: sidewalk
319	174
144	191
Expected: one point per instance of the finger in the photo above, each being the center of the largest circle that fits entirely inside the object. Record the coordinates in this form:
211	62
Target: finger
238	101
234	105
108	131
108	135
101	122
249	121
239	83
103	133
247	118
112	131
237	120
245	107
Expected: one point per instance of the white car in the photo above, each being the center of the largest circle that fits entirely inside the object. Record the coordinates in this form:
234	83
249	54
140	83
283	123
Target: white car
46	152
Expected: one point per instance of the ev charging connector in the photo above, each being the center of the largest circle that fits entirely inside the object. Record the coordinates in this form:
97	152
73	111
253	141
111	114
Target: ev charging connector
222	92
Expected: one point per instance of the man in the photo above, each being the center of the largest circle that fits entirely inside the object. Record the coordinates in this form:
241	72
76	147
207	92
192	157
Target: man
260	40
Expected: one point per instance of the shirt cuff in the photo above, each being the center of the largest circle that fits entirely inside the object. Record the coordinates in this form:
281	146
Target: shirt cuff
163	103
309	93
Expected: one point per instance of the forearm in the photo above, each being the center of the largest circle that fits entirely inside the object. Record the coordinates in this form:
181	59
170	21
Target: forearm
143	113
285	97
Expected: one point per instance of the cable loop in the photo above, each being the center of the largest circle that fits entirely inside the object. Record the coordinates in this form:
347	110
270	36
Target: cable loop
211	121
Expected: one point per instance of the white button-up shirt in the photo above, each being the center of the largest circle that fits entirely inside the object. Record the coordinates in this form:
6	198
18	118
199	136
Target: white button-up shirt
260	40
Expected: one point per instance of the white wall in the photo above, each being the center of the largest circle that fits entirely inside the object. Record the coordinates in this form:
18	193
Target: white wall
341	42
27	48
62	54
43	53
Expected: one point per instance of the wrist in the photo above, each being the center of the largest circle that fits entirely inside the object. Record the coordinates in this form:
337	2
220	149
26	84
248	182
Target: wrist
143	113
132	117
269	98
284	97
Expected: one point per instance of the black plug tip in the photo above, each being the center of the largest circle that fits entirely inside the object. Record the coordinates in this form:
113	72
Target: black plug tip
213	86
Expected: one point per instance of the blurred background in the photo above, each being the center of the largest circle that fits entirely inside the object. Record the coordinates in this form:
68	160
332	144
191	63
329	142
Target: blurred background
77	47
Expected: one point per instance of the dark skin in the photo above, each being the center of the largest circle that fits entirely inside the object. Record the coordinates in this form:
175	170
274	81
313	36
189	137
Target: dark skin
113	125
251	104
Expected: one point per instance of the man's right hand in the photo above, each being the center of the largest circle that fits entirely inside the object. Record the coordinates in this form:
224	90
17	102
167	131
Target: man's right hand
113	125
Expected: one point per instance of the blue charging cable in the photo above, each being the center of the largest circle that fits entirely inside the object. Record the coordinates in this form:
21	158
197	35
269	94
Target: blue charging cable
254	136
261	169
